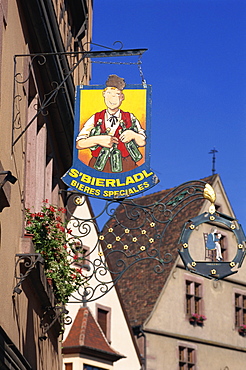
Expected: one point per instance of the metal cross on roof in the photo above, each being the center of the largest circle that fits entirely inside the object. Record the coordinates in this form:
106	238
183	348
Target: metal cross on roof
213	151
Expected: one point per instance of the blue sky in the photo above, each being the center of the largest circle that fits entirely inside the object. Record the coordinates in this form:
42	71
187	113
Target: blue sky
196	64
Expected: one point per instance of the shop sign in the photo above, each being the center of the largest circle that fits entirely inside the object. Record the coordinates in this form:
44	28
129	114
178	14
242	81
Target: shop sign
111	152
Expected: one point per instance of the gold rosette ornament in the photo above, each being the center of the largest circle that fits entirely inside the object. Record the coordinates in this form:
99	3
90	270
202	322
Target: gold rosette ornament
208	193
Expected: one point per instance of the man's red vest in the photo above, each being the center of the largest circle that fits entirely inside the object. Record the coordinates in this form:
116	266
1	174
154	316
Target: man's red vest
126	117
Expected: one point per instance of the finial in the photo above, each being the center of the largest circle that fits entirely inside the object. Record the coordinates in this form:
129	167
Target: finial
209	194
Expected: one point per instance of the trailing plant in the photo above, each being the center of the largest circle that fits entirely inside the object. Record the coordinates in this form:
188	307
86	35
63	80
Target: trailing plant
50	239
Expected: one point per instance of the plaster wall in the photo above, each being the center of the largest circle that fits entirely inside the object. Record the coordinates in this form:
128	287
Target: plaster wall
208	357
169	319
218	306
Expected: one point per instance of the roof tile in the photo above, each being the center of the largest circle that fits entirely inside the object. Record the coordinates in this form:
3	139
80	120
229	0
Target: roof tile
85	331
141	284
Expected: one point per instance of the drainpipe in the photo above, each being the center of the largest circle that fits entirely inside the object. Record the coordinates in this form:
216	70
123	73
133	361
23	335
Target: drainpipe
138	331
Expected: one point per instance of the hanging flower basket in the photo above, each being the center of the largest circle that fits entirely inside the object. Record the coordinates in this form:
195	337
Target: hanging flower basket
28	235
57	247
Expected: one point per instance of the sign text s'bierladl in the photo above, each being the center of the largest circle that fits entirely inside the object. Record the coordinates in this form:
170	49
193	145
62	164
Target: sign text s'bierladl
111	144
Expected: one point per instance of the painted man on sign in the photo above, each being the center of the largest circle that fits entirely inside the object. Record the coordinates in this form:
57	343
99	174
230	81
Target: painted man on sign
112	135
111	155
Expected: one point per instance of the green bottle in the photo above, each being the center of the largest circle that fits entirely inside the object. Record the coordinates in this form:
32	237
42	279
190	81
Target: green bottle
96	131
116	159
133	150
132	146
133	126
102	159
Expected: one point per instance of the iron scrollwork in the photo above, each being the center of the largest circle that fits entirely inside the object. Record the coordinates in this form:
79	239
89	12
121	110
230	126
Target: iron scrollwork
36	61
30	262
134	232
50	316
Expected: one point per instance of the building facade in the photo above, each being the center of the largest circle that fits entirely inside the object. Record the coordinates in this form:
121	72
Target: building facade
183	320
37	79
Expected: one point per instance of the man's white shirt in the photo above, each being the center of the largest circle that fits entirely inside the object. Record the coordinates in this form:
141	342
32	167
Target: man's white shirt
110	129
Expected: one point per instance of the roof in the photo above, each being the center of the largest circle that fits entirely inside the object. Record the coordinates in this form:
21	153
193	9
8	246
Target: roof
144	278
86	336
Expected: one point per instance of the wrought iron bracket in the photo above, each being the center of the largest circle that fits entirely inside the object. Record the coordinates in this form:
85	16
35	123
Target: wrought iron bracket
8	177
51	313
50	97
135	232
50	316
90	54
30	262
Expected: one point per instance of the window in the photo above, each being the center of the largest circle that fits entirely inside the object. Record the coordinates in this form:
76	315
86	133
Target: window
103	319
82	256
193	297
187	358
240	309
69	366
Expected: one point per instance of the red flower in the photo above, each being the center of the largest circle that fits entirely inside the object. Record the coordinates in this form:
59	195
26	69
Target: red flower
69	231
195	316
63	210
52	209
